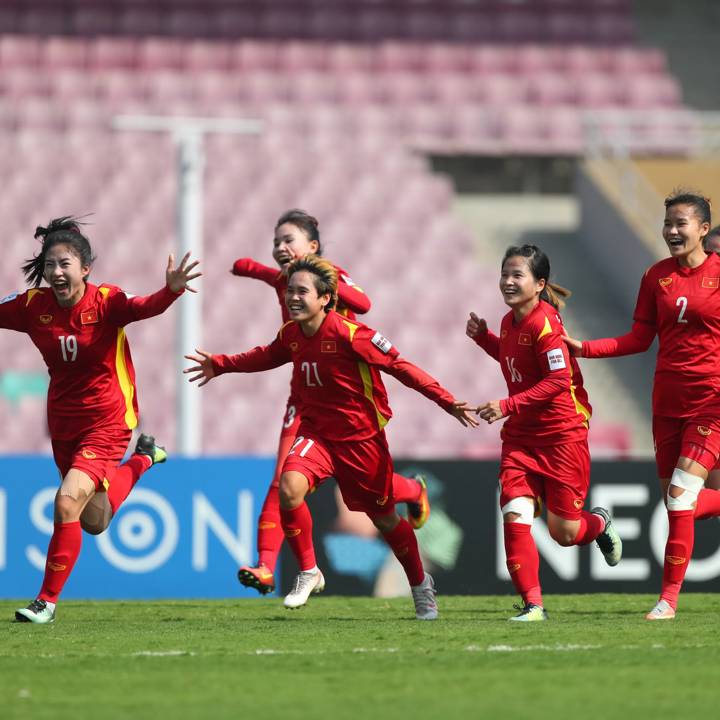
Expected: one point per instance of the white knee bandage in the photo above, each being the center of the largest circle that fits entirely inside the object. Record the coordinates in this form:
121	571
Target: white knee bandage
691	486
522	506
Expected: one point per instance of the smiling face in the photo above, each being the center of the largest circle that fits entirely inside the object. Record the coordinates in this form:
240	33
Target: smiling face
518	285
65	273
290	243
683	232
303	302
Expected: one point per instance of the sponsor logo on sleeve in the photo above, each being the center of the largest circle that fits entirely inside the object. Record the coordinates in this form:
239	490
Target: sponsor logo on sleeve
8	298
710	282
664	282
524	339
88	317
328	346
381	343
556	360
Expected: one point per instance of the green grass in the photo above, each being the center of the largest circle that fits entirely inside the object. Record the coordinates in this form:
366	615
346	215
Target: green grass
362	658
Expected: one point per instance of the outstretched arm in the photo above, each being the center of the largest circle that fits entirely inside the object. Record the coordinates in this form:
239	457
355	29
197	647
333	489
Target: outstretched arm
351	296
477	330
247	267
637	340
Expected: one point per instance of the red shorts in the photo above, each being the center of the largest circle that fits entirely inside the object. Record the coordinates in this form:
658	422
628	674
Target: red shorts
97	453
291	423
558	474
363	469
697	438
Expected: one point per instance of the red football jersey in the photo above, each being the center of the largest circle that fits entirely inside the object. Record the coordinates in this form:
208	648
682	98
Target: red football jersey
548	402
351	298
682	306
336	375
92	379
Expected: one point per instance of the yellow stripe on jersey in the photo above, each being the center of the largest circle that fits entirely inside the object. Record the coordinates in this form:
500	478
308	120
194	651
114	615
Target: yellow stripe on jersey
546	329
352	327
104	291
31	294
580	409
368	390
126	386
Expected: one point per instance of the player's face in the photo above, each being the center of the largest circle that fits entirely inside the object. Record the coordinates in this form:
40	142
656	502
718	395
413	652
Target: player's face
290	242
302	299
683	231
517	283
65	274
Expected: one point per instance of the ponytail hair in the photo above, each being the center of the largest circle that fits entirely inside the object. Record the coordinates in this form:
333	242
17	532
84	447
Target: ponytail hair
60	231
305	222
539	265
325	276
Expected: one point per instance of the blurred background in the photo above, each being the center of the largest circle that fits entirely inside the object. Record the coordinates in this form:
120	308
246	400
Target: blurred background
426	136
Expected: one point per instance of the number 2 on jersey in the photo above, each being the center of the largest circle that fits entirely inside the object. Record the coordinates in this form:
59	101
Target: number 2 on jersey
68	347
682	303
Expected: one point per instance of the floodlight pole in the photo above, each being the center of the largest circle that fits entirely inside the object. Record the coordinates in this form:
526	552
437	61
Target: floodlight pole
188	134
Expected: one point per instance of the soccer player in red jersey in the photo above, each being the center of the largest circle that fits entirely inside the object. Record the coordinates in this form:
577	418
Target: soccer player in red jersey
679	301
296	235
92	404
544	441
336	376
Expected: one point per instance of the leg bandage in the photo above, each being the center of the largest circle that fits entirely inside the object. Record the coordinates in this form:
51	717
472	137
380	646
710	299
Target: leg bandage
691	486
523	507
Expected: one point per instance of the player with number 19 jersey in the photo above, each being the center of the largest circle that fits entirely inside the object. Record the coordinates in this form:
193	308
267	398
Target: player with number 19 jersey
92	379
547	402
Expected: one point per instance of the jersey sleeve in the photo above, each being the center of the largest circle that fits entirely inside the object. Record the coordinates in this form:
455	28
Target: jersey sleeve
350	295
640	336
263	357
12	312
489	342
123	308
554	361
377	350
247	267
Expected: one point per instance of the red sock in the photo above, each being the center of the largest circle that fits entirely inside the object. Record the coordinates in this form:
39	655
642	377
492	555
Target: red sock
62	553
678	552
591	526
523	562
124	479
403	543
297	525
405	489
708	504
270	532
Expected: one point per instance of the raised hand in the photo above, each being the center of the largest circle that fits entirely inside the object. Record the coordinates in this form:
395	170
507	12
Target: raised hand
177	278
204	368
574	346
475	326
490	411
463	412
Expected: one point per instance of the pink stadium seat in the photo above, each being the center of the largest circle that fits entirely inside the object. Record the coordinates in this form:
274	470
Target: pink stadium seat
204	56
651	91
581	59
551	89
491	59
302	56
347	57
113	53
251	55
24	83
599	91
160	54
396	57
73	85
444	58
630	60
19	51
61	52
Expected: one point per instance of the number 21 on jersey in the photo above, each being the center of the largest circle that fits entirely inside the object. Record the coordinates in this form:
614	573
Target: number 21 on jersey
312	378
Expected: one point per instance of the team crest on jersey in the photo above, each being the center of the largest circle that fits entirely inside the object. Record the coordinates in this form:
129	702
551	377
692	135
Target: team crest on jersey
382	501
381	343
293	346
709	282
88	317
704	431
8	298
89	454
524	339
513	568
664	282
577	503
45	319
328	346
503	334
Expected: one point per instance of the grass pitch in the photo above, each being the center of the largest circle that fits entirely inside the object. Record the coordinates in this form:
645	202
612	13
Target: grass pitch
362	658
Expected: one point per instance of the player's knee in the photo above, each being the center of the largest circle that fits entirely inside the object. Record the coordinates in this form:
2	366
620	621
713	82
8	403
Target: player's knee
683	490
520	510
385	523
92	527
563	535
67	509
291	492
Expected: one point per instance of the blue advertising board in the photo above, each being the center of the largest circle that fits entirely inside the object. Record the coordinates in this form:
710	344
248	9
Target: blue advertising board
183	531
